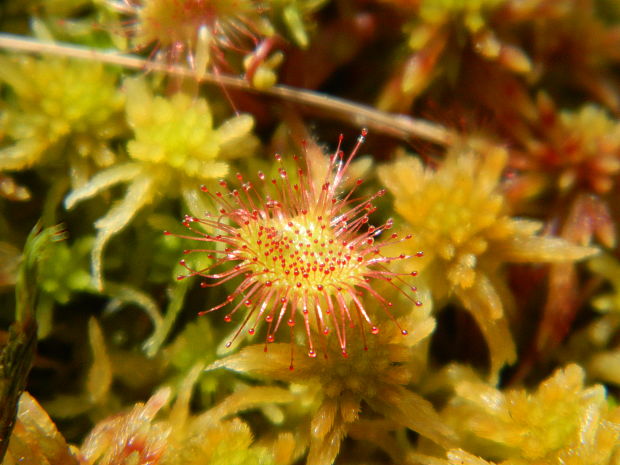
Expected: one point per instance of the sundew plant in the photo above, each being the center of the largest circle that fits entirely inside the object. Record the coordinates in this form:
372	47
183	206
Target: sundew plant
309	232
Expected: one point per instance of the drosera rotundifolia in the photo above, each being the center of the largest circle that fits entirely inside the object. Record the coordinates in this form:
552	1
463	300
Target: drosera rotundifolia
304	249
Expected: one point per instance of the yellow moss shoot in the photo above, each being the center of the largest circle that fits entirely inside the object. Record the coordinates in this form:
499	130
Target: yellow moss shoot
579	151
462	222
562	422
176	146
58	109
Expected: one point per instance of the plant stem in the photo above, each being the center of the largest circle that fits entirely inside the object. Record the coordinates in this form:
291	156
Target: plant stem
396	125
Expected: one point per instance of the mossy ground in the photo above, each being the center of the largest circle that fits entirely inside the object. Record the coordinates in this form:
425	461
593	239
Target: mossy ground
489	336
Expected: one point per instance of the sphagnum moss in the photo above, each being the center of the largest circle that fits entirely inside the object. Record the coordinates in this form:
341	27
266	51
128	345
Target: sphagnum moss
475	62
441	30
176	146
59	113
463	224
561	422
567	151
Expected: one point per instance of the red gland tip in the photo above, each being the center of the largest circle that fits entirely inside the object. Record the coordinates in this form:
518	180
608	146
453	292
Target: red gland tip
404	332
374	330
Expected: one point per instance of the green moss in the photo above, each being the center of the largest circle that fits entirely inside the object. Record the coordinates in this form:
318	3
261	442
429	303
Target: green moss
493	152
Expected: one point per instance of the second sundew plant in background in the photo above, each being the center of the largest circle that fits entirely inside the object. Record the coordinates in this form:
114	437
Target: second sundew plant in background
196	31
217	35
304	252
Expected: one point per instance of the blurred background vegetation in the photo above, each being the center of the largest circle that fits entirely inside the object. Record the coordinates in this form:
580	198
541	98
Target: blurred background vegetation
493	127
